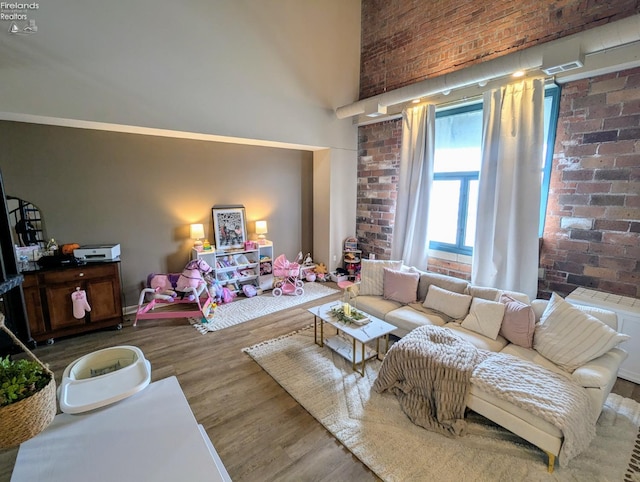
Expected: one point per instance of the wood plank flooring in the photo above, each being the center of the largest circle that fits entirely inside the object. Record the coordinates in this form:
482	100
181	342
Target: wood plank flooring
261	433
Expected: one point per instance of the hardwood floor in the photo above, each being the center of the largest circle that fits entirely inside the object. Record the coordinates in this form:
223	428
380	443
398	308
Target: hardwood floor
260	432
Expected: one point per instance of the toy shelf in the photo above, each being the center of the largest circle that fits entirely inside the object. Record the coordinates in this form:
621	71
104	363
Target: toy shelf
230	267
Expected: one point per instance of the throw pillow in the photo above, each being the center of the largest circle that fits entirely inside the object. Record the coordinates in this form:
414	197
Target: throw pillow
400	286
485	317
452	304
519	322
441	281
570	338
371	272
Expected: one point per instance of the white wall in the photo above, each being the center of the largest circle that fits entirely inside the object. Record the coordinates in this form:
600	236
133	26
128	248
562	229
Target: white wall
334	173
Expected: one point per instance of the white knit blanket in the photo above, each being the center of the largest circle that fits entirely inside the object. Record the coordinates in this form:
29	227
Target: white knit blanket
548	395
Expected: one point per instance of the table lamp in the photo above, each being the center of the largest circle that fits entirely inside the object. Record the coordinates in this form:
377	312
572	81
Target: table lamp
196	232
261	230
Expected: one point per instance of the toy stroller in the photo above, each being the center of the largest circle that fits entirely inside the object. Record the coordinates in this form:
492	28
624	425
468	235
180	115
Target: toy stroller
288	272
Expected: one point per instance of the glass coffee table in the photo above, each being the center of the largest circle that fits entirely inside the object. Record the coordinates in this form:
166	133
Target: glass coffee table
374	330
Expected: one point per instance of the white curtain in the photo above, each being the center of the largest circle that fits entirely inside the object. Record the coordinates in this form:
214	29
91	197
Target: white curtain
505	253
414	185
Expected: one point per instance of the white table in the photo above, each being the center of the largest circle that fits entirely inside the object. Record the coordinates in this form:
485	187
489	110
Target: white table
372	331
151	435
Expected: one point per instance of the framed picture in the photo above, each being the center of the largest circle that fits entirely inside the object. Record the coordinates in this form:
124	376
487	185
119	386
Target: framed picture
229	226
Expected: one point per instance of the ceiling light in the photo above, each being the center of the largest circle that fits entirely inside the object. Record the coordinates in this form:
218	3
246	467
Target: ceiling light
415	101
482	83
518	73
446	92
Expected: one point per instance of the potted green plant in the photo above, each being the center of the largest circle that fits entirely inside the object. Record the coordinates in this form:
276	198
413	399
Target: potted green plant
19	379
27	396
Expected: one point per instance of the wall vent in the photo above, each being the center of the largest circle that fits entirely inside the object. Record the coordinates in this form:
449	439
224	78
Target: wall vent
575	64
561	57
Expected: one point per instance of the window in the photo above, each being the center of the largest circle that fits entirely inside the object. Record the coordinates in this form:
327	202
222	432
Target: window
458	154
454	195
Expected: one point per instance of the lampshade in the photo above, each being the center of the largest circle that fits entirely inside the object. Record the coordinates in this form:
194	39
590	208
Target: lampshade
261	230
196	231
261	227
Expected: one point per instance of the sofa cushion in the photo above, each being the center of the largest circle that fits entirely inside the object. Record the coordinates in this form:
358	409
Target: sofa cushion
491	294
599	372
519	322
533	356
407	318
455	305
570	337
450	283
485	317
371	275
375	305
476	339
400	286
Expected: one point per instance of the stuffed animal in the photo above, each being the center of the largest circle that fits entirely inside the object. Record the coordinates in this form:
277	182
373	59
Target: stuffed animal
321	272
215	291
227	295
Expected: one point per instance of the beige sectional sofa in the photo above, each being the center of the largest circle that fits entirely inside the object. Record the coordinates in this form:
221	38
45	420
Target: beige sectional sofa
381	294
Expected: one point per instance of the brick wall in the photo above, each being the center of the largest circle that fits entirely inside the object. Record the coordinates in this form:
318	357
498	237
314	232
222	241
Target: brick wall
592	228
378	171
406	41
378	166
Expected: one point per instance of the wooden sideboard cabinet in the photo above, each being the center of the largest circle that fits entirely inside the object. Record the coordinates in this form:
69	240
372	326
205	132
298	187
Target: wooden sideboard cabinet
49	305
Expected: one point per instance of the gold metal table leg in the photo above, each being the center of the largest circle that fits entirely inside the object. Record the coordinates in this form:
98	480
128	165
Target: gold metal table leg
353	355
552	462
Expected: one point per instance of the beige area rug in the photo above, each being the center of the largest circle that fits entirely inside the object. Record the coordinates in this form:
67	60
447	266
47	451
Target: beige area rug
248	309
374	428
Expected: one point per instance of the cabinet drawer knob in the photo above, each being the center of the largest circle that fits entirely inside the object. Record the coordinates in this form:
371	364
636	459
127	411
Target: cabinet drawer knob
81	274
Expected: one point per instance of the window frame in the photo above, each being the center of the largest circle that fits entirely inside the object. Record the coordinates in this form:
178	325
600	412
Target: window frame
551	90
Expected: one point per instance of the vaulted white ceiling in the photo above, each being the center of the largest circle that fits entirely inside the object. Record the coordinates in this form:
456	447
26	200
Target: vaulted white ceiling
267	70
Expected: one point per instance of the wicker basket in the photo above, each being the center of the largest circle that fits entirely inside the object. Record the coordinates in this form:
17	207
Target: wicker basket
28	417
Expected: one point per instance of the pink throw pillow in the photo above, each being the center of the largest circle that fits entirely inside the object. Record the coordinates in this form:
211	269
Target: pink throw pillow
400	286
519	322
